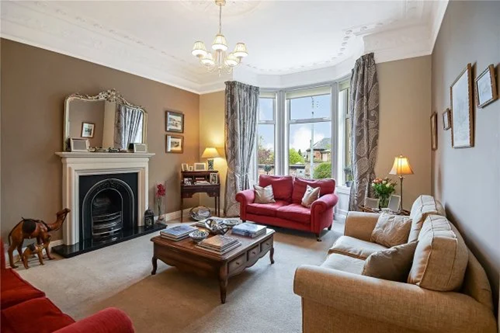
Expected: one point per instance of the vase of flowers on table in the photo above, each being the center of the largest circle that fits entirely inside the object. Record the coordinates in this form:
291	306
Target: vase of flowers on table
383	188
159	194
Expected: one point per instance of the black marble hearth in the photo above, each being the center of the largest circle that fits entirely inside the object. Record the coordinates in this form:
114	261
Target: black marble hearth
68	251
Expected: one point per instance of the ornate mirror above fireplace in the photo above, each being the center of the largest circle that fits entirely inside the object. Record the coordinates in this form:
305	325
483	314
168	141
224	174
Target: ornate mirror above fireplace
107	120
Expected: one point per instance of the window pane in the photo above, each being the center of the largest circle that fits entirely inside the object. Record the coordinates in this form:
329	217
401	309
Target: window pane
310	103
307	163
265	149
266	108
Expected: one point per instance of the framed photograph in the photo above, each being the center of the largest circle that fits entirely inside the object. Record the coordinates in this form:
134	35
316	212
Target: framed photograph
486	87
446	119
88	130
184	167
174	144
372	203
174	122
79	144
462	129
187	181
200	167
214	178
434	139
394	203
190	168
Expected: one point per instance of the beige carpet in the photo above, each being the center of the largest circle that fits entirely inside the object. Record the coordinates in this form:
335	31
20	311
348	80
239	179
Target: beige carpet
261	299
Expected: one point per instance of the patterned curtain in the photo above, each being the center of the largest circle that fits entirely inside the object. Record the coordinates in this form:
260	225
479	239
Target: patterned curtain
128	124
242	105
364	110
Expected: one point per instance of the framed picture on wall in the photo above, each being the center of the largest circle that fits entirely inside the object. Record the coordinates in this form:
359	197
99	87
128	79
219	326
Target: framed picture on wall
174	144
462	129
434	143
486	87
446	119
88	130
174	122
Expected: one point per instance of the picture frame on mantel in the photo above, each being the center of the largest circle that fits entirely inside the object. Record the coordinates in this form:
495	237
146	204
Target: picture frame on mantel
462	128
486	87
434	143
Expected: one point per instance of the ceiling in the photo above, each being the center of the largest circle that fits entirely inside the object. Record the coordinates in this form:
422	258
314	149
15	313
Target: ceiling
286	39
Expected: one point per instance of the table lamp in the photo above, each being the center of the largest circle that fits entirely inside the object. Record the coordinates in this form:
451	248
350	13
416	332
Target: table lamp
210	153
400	168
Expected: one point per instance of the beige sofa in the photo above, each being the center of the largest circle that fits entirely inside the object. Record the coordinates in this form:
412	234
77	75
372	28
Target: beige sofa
337	298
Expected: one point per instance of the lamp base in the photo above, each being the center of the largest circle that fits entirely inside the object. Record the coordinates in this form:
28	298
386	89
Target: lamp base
210	163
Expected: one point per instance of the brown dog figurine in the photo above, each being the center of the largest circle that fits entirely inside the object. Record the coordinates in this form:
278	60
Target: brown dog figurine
30	250
29	228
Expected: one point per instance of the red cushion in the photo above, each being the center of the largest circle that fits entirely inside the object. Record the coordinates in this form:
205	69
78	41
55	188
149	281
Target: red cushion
15	290
282	186
326	186
37	315
265	209
295	212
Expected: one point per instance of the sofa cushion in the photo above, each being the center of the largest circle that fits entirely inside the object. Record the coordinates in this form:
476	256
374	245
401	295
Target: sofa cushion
441	256
355	248
295	212
391	230
265	209
392	264
15	290
344	263
423	206
264	195
311	195
44	317
282	186
326	186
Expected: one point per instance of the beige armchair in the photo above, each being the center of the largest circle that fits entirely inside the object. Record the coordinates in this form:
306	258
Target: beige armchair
337	298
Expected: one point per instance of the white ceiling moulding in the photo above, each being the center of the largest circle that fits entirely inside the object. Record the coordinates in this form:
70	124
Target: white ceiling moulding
331	36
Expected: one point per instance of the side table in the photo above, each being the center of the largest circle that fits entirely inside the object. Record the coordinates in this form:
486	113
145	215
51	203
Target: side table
365	209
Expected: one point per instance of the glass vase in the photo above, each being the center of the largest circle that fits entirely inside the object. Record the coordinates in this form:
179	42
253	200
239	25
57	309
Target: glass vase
159	208
384	202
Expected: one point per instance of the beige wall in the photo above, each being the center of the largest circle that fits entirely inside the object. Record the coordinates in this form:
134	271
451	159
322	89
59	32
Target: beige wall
34	85
467	180
405	104
212	135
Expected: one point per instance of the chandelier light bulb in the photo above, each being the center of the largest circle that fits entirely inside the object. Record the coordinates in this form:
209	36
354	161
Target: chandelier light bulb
199	49
240	50
220	43
231	60
208	60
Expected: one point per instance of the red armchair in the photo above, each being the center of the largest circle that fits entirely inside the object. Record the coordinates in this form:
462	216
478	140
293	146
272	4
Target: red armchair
287	211
26	309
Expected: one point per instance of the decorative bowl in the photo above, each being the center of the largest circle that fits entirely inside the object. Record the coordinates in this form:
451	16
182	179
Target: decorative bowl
200	213
216	226
198	235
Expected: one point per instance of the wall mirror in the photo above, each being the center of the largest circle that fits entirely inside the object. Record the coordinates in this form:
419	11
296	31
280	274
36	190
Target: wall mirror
107	120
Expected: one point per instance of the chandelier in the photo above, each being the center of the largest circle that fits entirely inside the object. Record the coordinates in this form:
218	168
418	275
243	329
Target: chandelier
219	60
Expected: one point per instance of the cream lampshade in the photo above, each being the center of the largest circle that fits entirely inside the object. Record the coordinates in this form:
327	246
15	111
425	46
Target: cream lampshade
210	153
400	168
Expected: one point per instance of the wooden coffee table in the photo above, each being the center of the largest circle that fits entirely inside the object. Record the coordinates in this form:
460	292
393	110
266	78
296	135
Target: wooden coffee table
187	257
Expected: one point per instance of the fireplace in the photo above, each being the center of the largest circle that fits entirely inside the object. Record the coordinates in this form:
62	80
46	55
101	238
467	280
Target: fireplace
108	206
108	195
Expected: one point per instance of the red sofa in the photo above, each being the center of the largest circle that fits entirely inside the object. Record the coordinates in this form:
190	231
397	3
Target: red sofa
287	211
25	309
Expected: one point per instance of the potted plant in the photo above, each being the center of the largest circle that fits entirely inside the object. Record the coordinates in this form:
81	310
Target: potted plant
383	189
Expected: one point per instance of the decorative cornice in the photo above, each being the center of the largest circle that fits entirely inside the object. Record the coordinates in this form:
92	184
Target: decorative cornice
46	25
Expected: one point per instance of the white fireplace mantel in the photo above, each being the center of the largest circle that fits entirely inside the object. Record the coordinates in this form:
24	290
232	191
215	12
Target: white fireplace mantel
76	164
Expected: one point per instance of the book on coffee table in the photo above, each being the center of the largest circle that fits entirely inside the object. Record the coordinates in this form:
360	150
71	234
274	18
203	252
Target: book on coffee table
220	252
249	230
178	232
